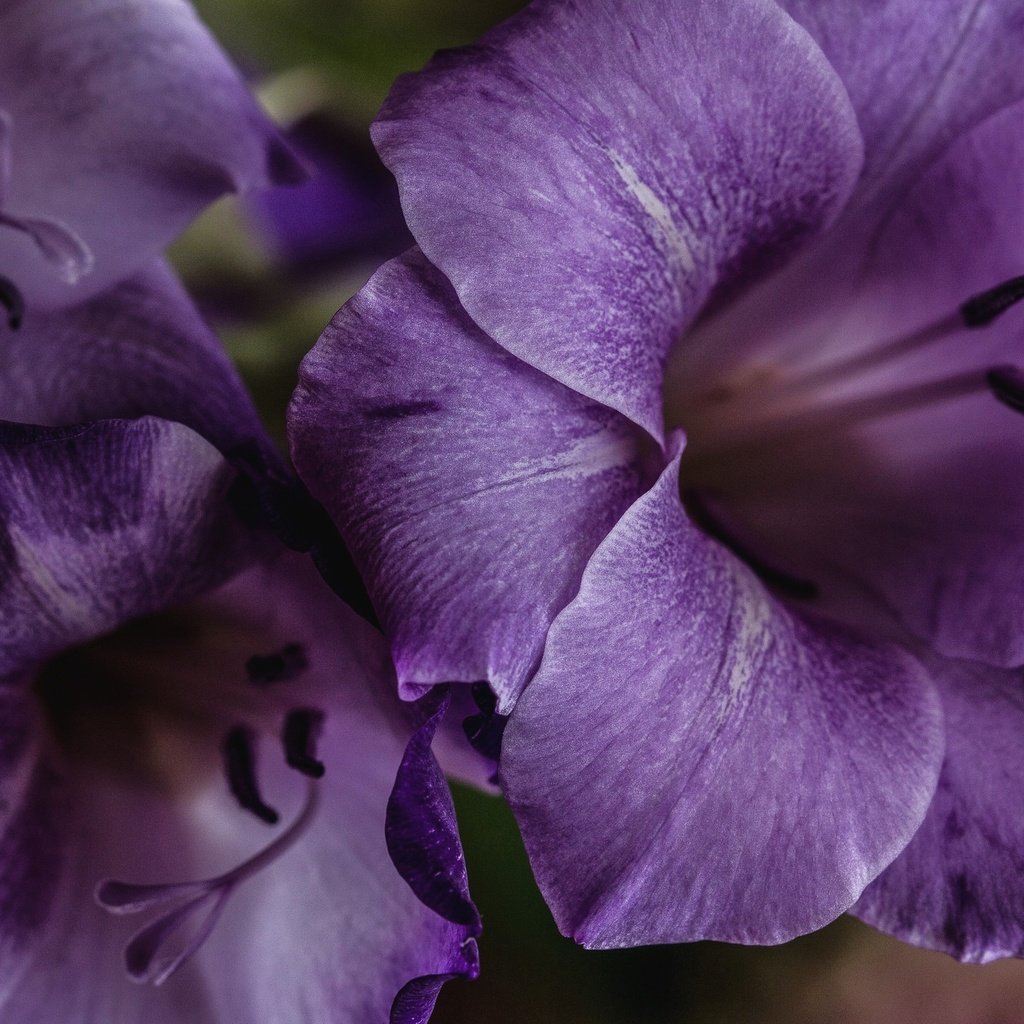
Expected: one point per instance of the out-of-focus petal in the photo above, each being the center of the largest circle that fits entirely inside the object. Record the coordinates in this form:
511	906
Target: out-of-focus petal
959	884
588	174
104	523
140	349
125	120
470	487
693	760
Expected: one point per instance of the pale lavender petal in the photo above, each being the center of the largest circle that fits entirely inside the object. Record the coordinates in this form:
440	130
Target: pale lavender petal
103	523
693	760
470	487
139	349
959	884
920	512
589	174
125	120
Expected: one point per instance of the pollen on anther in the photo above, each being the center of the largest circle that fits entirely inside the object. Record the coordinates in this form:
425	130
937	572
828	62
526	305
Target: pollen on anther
240	769
301	731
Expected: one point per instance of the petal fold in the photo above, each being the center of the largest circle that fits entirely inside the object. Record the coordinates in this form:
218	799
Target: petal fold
585	210
693	760
470	487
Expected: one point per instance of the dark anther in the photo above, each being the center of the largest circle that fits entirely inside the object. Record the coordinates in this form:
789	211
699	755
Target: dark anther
982	309
13	302
777	579
1007	384
299	735
240	768
280	667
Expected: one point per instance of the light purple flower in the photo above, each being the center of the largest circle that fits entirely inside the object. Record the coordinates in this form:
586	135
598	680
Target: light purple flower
771	671
119	121
198	740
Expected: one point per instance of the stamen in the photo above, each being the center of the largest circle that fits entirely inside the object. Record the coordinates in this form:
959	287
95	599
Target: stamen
209	895
240	768
13	301
980	310
1007	384
301	731
281	667
778	579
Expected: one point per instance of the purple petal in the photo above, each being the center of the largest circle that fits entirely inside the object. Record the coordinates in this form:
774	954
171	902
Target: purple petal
139	349
126	119
586	209
959	884
104	523
421	830
920	512
693	760
470	488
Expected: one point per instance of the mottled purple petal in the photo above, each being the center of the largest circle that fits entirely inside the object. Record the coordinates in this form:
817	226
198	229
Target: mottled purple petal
125	119
422	833
470	487
959	884
589	174
693	760
104	523
139	349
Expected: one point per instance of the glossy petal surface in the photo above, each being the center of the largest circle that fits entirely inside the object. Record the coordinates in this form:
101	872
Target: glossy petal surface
693	760
585	209
470	487
124	120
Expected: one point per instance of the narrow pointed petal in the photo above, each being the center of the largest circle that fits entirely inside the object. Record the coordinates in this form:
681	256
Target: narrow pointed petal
103	523
586	210
959	884
470	488
125	120
694	761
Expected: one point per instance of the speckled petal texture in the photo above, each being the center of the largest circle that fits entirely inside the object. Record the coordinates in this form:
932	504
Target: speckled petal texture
694	761
470	487
615	164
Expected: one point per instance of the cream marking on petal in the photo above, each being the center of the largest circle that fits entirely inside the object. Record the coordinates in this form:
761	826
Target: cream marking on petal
72	608
657	211
751	620
590	456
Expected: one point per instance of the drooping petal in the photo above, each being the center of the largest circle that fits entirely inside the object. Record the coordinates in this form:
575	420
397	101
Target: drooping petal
126	119
470	487
693	760
140	349
959	884
921	510
587	175
104	523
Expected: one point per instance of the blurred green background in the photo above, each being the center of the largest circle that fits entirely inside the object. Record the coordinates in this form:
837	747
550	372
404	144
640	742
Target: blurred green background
333	60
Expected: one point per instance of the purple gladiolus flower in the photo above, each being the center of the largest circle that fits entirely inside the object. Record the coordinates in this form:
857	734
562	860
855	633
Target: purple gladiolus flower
692	428
198	741
119	121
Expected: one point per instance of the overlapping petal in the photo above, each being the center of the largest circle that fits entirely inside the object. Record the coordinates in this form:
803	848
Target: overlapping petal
103	523
470	487
623	164
123	120
957	886
139	349
918	507
693	760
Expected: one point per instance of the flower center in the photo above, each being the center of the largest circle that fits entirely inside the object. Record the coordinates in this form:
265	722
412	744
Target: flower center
170	702
762	423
